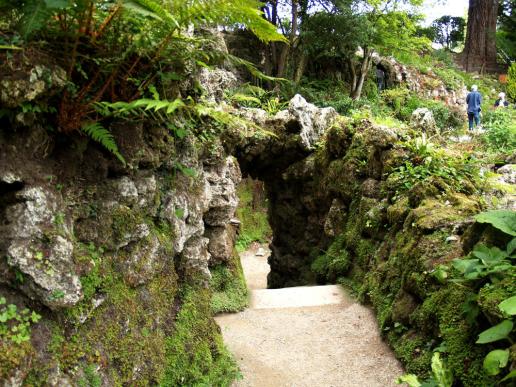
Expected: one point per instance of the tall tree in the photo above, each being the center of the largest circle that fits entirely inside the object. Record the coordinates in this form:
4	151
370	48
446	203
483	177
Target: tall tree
449	31
480	49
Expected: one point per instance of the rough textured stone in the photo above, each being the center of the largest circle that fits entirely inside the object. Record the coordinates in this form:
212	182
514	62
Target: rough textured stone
47	266
221	242
196	258
313	121
222	180
40	81
215	82
335	219
423	120
508	173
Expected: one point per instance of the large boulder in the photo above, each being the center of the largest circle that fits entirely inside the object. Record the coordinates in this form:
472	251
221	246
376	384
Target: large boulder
423	120
311	120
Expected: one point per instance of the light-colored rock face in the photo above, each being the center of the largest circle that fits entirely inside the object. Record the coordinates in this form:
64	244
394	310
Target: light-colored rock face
222	181
313	121
221	243
39	246
40	81
426	84
508	173
423	119
196	258
215	82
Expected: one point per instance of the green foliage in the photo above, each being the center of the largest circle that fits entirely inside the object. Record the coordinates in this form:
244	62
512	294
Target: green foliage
485	270
14	324
427	162
192	358
501	130
449	31
498	332
496	360
98	133
256	97
91	377
508	306
252	213
490	262
334	263
503	220
511	82
229	289
441	375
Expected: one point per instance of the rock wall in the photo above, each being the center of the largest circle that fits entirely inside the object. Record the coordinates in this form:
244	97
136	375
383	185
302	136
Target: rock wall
115	259
336	216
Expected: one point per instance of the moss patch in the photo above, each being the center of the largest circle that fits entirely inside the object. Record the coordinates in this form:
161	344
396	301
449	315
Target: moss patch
229	288
195	352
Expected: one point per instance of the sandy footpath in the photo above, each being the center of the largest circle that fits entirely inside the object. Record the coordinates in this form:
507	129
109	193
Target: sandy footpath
305	336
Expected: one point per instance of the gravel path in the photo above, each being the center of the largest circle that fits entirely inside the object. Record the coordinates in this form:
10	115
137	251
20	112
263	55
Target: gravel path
306	336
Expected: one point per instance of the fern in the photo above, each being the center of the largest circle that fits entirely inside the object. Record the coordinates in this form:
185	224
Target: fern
98	133
35	15
161	110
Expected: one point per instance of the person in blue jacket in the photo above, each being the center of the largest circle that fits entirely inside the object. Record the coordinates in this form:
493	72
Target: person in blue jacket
474	100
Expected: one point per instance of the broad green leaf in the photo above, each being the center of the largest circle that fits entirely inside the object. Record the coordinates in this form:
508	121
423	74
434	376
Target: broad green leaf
498	332
465	265
489	255
495	360
410	379
508	306
503	220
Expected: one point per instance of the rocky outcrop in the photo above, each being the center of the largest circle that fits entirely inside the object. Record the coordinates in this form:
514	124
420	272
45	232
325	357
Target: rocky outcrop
113	252
423	120
425	83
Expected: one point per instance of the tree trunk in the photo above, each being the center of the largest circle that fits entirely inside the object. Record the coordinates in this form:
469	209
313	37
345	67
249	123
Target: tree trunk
300	67
480	48
283	59
356	92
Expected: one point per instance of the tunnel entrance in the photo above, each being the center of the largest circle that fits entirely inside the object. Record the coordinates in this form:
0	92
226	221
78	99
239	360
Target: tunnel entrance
280	166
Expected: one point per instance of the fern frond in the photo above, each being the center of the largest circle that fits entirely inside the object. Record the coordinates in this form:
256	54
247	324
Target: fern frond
226	12
144	104
252	69
152	9
35	15
100	134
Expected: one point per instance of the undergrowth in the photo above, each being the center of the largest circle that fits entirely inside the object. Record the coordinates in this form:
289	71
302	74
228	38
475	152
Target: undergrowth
229	289
252	213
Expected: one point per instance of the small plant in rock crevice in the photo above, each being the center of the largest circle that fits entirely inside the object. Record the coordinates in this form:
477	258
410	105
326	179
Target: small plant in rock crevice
15	324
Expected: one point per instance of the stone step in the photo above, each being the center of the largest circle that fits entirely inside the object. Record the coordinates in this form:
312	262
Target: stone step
300	296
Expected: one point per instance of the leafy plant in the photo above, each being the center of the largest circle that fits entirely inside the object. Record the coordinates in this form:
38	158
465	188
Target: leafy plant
14	324
503	220
483	268
441	375
100	134
500	128
511	82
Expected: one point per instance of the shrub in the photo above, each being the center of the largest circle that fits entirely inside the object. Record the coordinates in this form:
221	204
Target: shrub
501	130
511	82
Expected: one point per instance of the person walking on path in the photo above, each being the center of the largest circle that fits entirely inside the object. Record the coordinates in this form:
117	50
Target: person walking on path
474	100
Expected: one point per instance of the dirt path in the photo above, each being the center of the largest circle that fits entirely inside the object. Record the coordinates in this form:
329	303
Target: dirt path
305	336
